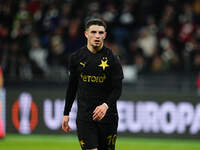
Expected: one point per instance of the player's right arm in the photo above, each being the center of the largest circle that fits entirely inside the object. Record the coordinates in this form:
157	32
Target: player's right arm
65	124
70	93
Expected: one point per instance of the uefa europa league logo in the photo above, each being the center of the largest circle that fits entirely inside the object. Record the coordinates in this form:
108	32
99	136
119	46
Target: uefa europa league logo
25	107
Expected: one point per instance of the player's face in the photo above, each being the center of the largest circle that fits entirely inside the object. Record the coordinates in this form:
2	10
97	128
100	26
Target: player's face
95	35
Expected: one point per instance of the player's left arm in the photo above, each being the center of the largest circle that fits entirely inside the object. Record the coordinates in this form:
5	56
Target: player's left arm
116	82
116	86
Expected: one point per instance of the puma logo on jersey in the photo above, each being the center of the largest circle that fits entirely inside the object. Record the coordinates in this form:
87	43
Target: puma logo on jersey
82	143
82	64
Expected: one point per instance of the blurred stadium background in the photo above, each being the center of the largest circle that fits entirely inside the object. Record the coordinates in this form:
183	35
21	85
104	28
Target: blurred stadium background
158	42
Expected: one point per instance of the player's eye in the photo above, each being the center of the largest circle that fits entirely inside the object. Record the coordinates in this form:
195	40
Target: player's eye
101	32
93	32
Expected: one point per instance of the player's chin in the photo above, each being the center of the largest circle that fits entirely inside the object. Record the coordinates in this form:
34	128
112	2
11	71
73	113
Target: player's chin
97	44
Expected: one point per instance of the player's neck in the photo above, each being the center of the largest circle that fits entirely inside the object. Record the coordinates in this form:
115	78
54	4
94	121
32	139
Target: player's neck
94	50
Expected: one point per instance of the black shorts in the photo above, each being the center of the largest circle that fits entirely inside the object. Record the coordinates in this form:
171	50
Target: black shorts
95	134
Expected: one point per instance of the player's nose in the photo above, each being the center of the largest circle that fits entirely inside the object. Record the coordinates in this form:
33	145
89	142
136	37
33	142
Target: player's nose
97	35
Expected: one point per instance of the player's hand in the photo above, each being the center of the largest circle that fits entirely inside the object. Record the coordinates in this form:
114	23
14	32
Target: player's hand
100	112
65	124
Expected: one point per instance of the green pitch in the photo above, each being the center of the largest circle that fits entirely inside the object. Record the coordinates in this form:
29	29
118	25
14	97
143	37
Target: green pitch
53	142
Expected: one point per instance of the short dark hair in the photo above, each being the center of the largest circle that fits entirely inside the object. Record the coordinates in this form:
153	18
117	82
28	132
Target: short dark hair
95	21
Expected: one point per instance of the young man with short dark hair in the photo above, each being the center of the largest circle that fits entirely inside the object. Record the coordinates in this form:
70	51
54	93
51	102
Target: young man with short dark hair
96	78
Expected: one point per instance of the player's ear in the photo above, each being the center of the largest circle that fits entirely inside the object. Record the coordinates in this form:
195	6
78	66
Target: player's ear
105	34
86	34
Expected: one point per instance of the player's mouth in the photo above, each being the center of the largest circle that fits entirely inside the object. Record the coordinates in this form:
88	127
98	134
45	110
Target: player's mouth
96	41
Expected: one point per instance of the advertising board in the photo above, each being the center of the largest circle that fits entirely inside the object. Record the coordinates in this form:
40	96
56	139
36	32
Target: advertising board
40	111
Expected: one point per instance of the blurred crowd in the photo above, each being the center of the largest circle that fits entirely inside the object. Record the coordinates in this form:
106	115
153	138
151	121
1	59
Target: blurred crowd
38	36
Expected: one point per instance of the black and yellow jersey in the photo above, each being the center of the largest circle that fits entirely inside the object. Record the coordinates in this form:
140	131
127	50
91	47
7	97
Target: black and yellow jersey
95	79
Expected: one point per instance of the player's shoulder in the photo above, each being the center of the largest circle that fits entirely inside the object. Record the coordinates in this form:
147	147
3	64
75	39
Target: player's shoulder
78	53
111	54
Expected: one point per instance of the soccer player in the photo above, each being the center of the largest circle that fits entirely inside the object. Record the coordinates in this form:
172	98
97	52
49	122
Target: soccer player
96	78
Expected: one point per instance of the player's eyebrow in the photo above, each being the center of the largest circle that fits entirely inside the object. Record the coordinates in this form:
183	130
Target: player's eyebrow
93	31
100	32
